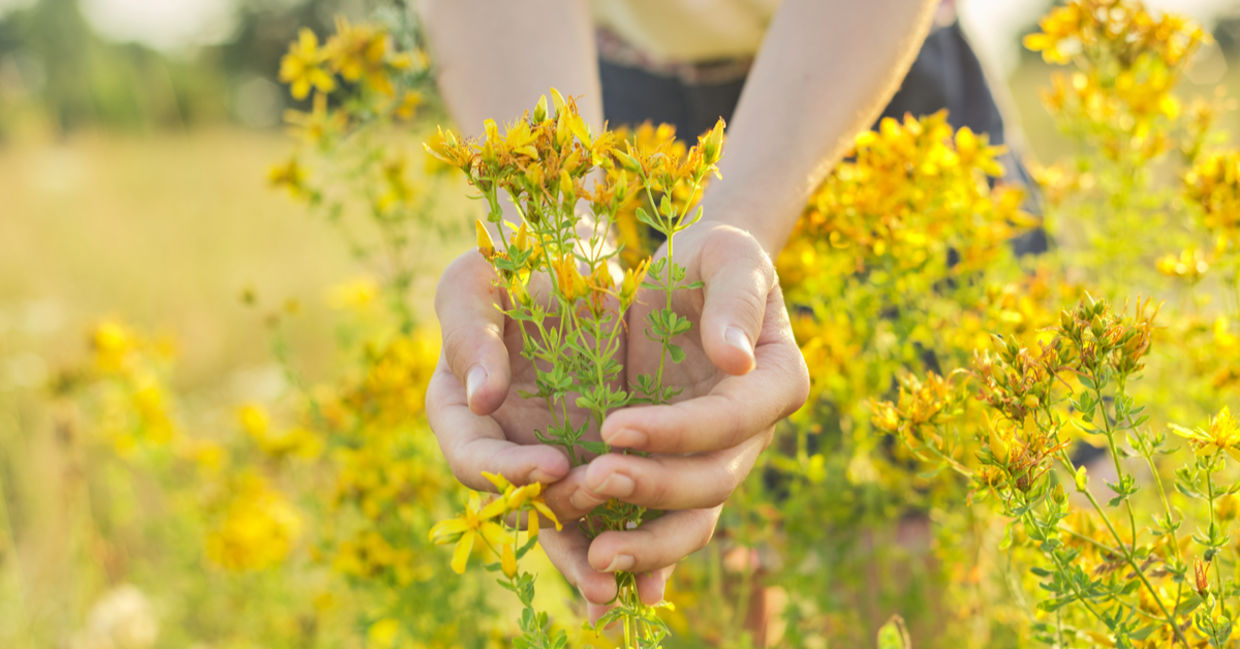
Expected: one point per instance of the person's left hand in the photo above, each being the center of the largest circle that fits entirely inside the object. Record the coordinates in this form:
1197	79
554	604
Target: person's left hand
742	373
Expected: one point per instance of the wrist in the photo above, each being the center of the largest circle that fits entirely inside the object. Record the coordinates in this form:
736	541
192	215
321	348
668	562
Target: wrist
766	220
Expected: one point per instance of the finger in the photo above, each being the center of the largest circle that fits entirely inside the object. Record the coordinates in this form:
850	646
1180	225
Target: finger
473	331
568	551
596	611
651	586
670	481
474	443
656	544
735	409
737	277
569	498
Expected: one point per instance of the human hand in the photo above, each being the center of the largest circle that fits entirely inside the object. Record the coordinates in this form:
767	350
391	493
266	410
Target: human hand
473	401
741	374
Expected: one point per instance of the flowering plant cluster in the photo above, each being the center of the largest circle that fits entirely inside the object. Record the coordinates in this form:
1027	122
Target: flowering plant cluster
554	271
992	449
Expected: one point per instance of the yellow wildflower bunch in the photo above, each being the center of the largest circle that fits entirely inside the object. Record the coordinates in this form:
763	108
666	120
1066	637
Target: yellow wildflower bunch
492	529
910	192
541	163
1116	31
128	384
305	66
360	54
1099	565
1223	435
258	527
648	140
1128	63
1213	185
397	371
872	269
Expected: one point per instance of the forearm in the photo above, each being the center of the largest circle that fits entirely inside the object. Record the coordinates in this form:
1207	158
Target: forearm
494	59
824	73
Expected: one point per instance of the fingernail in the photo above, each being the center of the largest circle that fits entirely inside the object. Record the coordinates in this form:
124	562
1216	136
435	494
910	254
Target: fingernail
474	380
737	338
627	438
616	485
620	563
580	499
661	593
538	475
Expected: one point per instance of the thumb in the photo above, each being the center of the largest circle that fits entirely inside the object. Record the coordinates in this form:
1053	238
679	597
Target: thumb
473	329
737	277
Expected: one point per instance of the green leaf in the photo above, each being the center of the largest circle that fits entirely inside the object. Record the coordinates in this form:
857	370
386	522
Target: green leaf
1006	541
893	635
644	217
1189	604
677	354
597	448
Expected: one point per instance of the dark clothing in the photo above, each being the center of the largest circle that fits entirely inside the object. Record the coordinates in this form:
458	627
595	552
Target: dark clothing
946	74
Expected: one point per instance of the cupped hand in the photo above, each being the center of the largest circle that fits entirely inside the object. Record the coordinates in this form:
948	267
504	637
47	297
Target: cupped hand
473	401
742	373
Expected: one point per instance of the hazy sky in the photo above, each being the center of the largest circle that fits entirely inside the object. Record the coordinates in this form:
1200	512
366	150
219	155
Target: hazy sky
172	24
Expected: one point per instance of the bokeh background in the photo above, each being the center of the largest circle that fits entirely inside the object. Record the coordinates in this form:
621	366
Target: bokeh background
135	138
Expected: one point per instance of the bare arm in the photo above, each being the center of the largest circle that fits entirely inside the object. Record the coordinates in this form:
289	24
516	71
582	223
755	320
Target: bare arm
496	58
824	73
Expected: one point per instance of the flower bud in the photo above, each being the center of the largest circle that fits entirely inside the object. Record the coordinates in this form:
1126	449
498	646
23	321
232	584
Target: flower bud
486	245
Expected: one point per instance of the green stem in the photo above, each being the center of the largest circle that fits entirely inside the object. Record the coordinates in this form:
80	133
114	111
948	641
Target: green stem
1218	567
1128	555
1119	469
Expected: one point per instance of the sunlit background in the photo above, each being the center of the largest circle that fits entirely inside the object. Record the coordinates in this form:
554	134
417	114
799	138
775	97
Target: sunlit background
135	138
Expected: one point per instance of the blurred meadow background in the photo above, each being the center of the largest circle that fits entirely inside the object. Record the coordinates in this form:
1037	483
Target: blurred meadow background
136	139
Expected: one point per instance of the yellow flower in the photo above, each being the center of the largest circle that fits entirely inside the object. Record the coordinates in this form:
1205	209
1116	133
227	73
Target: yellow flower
112	342
486	245
508	560
302	67
1190	265
357	294
291	175
528	497
466	529
318	124
258	529
360	53
568	278
1223	435
409	103
633	278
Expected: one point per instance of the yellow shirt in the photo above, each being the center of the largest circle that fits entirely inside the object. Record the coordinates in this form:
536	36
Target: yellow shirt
696	31
687	30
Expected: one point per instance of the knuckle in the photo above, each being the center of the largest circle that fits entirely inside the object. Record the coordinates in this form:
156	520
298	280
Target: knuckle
462	474
467	271
750	306
722	484
798	391
659	491
457	343
451	276
704	533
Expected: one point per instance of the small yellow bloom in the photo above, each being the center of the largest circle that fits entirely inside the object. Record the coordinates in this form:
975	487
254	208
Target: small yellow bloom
464	530
1222	435
486	245
303	66
508	560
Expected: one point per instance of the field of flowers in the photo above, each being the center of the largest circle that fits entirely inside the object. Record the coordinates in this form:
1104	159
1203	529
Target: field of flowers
1002	446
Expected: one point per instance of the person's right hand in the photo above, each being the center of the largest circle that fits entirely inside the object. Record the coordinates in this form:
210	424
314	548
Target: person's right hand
473	400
